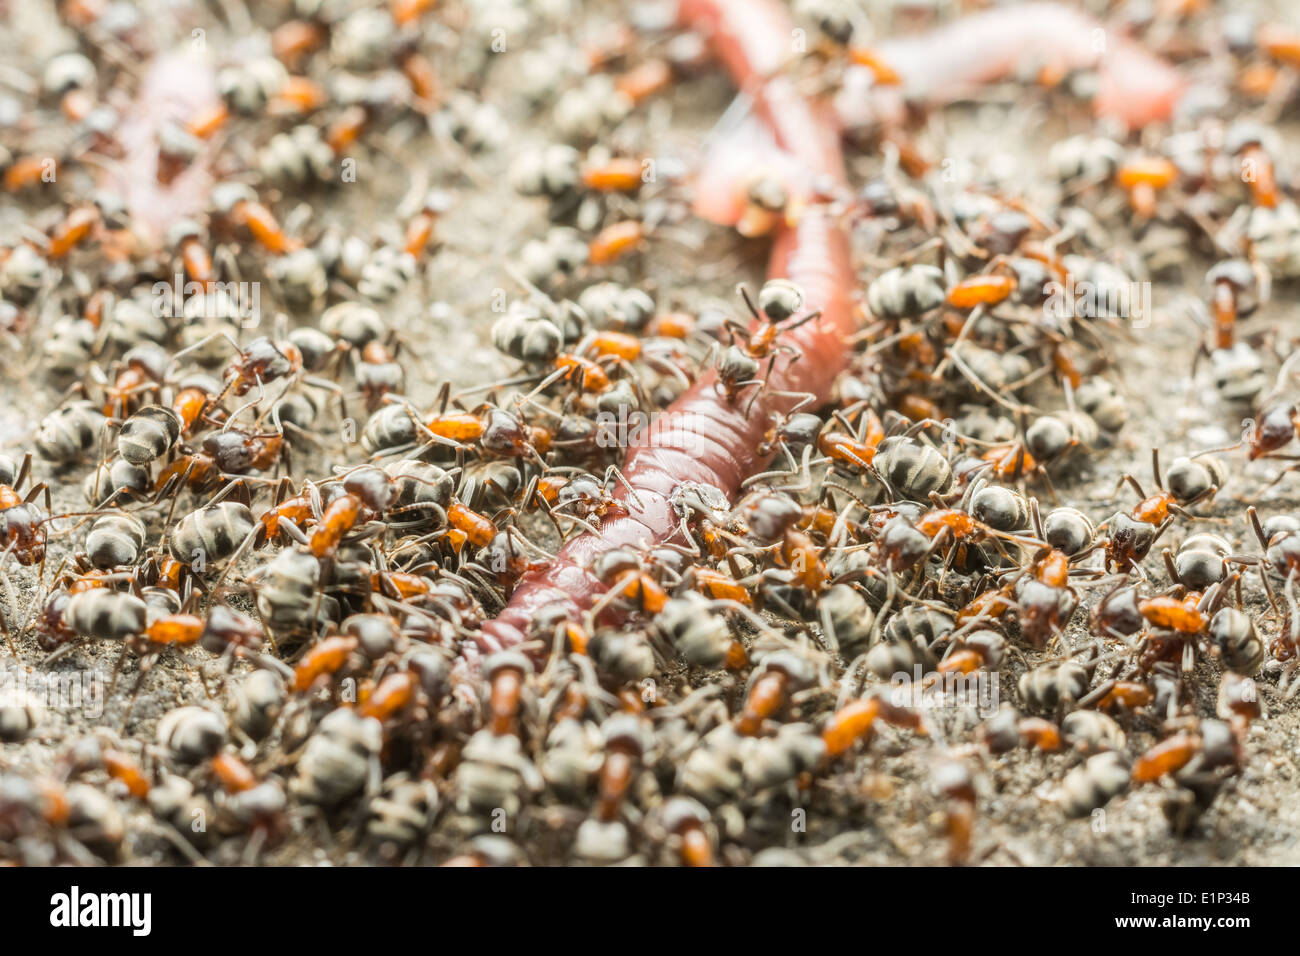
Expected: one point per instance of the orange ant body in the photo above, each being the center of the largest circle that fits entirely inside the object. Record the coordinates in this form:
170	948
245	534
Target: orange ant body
72	231
190	404
854	721
125	770
1130	695
419	231
849	724
590	376
506	686
243	209
327	657
295	39
233	774
766	696
339	518
1166	757
175	630
477	529
299	94
986	290
394	693
847	449
419	72
205	125
617	344
621	174
1143	179
1011	462
645	80
719	586
615	241
25	172
1183	616
296	510
196	260
457	426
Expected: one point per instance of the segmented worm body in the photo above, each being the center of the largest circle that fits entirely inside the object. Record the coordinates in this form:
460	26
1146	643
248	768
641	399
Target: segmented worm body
704	438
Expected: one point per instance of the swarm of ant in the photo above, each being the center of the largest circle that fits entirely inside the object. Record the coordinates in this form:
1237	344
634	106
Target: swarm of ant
684	573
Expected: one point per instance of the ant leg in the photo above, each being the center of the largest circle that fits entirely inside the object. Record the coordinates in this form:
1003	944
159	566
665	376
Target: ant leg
969	374
1169	565
1132	482
326	385
240	551
146	665
762	382
195	347
1051	488
1211	491
172	486
1159	531
614	470
543	385
1268	591
743	291
791	324
62	652
1258	528
800	469
117	672
36	491
222	494
1293	612
1036	519
282	489
314	499
24	471
4	623
1218	595
1283	473
976	314
1096	694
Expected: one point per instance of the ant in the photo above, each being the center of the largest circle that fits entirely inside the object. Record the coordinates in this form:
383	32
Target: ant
776	313
1133	534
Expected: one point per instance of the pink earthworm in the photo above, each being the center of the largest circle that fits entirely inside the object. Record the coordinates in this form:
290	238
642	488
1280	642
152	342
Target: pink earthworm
176	86
703	437
949	62
936	68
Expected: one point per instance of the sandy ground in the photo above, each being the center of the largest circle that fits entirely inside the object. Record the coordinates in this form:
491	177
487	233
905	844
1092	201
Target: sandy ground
878	809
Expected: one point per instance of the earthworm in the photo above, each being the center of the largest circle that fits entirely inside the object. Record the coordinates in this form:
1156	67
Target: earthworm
177	86
947	63
938	67
703	437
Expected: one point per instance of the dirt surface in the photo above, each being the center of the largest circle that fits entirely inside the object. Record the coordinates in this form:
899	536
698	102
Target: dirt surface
874	809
